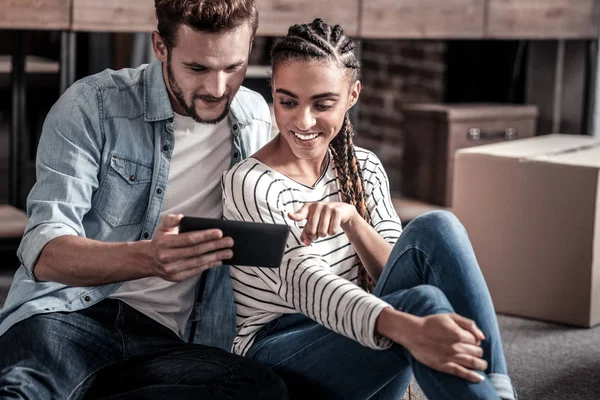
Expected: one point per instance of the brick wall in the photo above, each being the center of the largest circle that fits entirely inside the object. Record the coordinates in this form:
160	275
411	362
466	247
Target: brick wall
396	72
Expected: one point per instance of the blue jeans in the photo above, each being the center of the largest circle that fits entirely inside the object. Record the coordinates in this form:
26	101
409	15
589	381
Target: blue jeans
110	350
432	269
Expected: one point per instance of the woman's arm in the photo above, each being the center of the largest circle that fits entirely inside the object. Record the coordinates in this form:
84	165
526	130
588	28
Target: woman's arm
327	218
372	241
448	343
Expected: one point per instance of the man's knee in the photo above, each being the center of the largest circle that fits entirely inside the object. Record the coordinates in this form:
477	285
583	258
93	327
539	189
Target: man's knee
272	384
28	379
259	381
44	335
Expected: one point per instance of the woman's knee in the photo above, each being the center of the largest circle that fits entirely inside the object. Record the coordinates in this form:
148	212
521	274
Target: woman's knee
422	300
440	222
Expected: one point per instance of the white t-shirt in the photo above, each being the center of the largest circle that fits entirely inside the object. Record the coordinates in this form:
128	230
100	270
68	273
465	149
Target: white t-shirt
202	152
319	280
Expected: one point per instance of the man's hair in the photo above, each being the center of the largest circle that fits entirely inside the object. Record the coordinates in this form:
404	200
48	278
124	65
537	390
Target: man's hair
322	42
203	15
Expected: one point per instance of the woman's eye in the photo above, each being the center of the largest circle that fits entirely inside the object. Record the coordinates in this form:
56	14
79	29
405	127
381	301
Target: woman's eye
287	104
322	107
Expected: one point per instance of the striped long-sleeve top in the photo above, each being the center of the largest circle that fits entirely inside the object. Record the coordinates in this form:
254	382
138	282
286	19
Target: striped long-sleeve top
320	280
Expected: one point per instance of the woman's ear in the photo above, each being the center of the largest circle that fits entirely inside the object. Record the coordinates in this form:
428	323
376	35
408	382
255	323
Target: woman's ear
354	94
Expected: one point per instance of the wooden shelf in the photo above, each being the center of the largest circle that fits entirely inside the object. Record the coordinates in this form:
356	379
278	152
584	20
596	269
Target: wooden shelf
404	19
422	19
12	222
33	65
113	15
258	71
543	19
35	14
276	16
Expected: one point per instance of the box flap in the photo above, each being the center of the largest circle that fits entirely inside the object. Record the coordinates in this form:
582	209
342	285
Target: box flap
588	156
555	148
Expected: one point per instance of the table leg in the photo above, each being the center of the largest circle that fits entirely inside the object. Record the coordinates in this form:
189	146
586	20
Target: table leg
68	41
18	86
596	91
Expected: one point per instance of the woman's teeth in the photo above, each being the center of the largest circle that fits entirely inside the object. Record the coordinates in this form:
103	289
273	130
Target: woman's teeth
306	137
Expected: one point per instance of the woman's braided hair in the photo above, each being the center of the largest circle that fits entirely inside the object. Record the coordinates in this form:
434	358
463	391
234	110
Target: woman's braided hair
320	41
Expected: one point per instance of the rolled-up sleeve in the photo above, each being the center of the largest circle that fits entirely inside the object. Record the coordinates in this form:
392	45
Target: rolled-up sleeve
67	165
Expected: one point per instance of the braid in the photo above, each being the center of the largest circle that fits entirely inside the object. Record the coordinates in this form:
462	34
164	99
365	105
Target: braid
321	41
317	40
351	184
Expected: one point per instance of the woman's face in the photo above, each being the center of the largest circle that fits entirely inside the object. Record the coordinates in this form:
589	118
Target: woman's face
311	99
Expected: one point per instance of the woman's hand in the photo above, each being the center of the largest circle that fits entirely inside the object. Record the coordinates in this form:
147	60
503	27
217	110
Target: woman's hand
448	343
324	219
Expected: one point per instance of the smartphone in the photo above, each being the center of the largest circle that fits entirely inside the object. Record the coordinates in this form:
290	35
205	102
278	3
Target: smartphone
255	244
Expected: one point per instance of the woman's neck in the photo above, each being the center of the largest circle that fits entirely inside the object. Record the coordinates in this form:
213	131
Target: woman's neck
277	155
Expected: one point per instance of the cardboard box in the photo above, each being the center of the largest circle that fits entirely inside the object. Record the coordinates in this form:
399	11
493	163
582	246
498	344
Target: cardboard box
532	211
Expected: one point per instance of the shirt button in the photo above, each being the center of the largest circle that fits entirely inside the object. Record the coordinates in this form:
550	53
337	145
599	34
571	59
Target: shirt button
165	148
171	120
235	127
159	191
132	178
146	235
87	298
236	155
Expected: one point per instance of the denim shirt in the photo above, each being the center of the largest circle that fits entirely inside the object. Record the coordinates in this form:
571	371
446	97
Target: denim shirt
102	168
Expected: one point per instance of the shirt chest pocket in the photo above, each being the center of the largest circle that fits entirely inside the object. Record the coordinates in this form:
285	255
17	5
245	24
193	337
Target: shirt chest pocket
125	191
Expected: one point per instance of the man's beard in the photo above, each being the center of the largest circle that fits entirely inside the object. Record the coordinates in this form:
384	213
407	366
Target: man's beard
189	108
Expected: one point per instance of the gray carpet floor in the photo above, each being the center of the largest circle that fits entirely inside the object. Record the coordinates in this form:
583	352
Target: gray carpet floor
546	361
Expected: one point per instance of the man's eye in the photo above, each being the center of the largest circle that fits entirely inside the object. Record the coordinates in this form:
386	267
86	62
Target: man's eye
287	104
322	107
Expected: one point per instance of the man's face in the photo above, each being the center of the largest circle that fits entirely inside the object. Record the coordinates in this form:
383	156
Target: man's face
204	70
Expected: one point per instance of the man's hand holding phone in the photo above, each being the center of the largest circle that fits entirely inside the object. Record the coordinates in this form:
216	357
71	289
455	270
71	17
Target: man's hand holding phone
178	256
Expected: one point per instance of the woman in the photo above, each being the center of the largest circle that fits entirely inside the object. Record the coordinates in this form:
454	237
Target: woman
355	307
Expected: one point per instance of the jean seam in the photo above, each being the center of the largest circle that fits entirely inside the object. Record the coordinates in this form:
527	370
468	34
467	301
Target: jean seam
273	324
441	389
189	358
87	377
436	278
144	389
393	264
427	262
301	350
119	315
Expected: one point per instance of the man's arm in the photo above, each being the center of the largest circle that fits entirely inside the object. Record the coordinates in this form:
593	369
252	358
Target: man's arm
78	261
55	247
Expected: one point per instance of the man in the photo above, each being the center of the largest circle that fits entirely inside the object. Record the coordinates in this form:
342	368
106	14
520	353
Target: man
108	293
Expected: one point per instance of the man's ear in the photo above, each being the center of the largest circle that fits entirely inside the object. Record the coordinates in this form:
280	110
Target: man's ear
354	94
159	47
